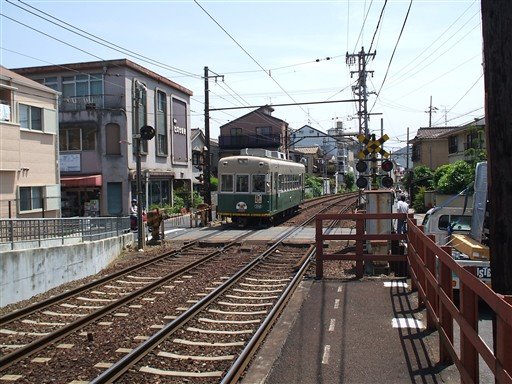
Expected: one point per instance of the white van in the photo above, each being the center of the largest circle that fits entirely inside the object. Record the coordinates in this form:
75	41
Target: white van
443	221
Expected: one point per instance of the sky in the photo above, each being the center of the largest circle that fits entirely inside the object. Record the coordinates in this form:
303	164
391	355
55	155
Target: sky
275	52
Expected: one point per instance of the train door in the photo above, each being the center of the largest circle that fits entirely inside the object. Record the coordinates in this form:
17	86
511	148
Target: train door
275	192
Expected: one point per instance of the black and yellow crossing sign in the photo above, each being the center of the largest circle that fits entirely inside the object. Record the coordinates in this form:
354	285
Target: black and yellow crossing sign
372	146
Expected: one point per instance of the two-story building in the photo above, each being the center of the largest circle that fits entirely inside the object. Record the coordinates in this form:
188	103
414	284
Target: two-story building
436	146
256	129
103	106
337	148
29	174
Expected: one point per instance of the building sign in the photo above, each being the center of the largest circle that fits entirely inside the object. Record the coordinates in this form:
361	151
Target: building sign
70	162
179	131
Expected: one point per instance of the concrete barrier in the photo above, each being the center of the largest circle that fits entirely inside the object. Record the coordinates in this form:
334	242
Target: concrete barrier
28	272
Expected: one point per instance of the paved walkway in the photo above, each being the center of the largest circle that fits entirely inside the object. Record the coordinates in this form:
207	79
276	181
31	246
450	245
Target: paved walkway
350	332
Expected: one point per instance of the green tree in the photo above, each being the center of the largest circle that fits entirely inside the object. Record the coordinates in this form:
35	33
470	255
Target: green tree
350	181
453	178
421	176
314	186
476	152
214	183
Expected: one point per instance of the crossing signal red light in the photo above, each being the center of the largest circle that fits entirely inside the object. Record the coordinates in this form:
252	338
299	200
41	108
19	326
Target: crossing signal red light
362	182
361	166
387	182
147	132
387	166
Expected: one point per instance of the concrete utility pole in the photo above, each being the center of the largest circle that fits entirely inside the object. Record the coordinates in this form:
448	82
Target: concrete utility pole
497	29
430	110
360	89
207	157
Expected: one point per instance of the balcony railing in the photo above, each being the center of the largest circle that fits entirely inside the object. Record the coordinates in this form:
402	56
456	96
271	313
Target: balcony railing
253	141
90	102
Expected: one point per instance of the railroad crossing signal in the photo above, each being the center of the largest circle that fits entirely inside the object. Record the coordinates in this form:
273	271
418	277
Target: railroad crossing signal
372	146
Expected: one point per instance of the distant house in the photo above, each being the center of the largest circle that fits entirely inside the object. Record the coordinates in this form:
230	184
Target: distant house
29	173
336	147
103	106
256	129
436	146
311	157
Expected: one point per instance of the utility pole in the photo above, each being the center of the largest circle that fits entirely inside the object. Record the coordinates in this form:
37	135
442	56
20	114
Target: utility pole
430	110
361	89
497	29
207	157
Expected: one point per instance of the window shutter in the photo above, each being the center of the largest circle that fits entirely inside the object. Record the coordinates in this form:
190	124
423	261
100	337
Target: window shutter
50	122
52	197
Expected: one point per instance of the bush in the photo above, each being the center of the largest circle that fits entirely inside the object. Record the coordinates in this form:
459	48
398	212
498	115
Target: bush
419	201
454	178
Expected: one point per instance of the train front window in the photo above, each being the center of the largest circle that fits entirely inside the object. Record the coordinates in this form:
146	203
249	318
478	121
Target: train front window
242	183
226	183
258	183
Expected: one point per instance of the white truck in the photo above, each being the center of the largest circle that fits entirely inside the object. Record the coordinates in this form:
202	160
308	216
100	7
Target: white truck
463	229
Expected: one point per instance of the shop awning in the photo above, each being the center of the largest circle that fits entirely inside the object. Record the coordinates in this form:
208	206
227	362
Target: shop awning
81	181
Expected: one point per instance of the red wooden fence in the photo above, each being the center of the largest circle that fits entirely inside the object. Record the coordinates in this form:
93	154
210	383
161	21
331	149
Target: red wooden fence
430	269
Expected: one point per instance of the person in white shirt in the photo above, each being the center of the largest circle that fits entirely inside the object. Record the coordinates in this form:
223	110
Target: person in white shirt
402	207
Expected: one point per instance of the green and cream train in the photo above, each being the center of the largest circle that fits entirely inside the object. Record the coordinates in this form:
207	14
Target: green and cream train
259	186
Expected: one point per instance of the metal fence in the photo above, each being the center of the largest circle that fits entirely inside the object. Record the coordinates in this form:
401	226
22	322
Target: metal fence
31	233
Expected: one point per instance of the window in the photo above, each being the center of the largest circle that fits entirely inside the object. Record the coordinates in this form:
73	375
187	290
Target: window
5	101
242	183
457	222
77	139
473	141
258	183
161	123
30	117
50	82
197	158
263	131
452	144
236	131
226	183
416	152
30	198
81	85
112	139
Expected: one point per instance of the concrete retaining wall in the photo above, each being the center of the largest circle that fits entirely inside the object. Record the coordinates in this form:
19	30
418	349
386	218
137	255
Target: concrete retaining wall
25	273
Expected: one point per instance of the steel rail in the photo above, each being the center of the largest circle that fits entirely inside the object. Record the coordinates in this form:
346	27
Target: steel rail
129	360
35	346
65	295
121	366
237	368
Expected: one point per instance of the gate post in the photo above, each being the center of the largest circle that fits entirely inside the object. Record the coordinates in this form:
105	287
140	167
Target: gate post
503	347
430	261
359	247
319	248
445	317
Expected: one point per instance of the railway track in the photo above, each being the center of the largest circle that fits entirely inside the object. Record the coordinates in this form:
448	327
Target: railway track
84	335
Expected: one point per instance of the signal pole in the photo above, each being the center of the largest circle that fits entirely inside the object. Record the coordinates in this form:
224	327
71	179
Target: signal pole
207	158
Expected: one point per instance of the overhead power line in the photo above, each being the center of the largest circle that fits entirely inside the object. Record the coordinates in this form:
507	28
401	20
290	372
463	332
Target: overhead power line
394	50
250	56
89	36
